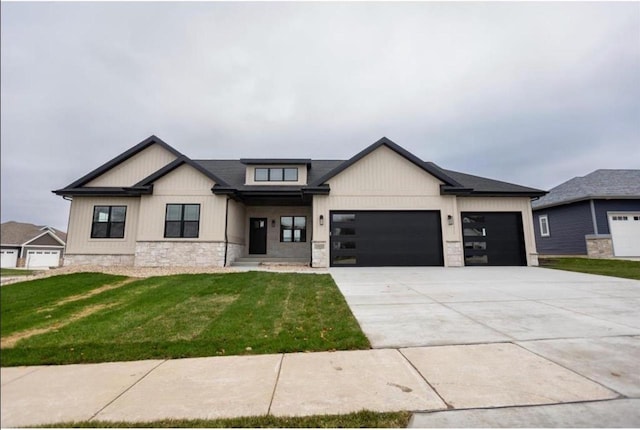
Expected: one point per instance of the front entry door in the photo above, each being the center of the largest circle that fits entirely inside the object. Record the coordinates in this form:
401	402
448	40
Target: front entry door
257	236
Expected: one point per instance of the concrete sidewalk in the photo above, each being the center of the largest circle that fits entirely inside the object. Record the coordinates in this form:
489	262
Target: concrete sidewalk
426	379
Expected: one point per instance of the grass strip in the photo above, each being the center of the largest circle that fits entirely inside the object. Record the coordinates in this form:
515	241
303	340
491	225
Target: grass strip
362	419
16	272
618	268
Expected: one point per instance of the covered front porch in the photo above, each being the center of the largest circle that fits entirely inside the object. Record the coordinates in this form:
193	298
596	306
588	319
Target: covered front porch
269	233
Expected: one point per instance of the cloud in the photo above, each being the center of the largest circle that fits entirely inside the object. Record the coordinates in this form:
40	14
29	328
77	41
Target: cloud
533	93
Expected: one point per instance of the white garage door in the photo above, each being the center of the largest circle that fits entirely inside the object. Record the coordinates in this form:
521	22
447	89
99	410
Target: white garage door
625	233
9	257
43	258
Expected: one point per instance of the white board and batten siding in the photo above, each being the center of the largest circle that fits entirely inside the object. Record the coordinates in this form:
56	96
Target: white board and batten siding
184	185
134	169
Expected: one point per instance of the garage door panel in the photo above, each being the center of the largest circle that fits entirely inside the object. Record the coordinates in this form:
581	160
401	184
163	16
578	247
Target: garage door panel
44	258
8	258
625	233
386	238
493	239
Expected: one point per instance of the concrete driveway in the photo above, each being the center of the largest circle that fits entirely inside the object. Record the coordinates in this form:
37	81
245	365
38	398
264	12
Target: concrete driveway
468	317
402	307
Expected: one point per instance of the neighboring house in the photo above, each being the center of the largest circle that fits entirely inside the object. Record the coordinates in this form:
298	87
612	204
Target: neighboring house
596	215
30	246
153	206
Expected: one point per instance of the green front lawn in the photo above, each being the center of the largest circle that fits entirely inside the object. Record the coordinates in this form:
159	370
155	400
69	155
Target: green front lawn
362	419
90	317
619	268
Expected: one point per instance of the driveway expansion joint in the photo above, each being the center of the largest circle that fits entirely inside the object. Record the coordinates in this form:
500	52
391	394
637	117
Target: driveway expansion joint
35	369
275	385
425	380
620	395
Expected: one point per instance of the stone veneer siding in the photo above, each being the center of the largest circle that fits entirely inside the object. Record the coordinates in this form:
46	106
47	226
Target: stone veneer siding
234	251
599	246
455	254
319	257
98	260
179	254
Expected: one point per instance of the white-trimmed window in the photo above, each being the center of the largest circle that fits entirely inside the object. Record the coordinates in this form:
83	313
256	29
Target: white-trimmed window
544	226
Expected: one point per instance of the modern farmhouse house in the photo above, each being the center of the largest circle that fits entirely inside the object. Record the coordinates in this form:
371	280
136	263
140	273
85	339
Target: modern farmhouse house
153	206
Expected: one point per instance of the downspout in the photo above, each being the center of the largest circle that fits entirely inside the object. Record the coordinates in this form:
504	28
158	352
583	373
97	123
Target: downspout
226	234
593	217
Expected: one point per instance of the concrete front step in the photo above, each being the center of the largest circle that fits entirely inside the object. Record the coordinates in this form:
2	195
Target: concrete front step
257	261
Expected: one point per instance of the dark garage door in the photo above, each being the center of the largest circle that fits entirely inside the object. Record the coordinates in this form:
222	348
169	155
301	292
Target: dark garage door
493	239
386	238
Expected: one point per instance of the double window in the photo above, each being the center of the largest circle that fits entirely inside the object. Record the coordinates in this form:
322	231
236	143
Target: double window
293	229
182	220
108	222
276	174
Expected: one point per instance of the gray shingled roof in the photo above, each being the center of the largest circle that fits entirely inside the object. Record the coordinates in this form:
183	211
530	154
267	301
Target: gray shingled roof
17	233
486	185
603	183
233	172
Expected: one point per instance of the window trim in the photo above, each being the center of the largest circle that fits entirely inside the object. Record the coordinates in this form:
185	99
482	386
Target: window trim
293	229
544	226
109	223
269	175
182	221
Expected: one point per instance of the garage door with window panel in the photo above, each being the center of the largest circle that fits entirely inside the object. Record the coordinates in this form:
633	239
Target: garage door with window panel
46	258
493	239
8	257
625	233
386	238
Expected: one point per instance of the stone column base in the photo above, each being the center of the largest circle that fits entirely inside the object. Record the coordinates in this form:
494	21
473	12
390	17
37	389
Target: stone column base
319	256
599	245
454	253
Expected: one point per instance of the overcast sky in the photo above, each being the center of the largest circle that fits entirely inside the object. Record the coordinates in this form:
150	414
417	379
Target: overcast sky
530	93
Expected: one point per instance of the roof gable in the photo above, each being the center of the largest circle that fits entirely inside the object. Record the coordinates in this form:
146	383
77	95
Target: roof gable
428	167
149	180
384	172
46	238
19	233
151	140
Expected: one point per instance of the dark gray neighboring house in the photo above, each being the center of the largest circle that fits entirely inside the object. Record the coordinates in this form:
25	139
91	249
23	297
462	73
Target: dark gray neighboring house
597	215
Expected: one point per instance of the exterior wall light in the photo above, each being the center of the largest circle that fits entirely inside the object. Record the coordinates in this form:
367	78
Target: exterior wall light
273	223
321	219
450	219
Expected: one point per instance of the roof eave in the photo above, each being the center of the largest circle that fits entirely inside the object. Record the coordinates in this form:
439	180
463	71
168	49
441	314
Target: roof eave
507	193
104	192
275	161
584	198
448	190
322	190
